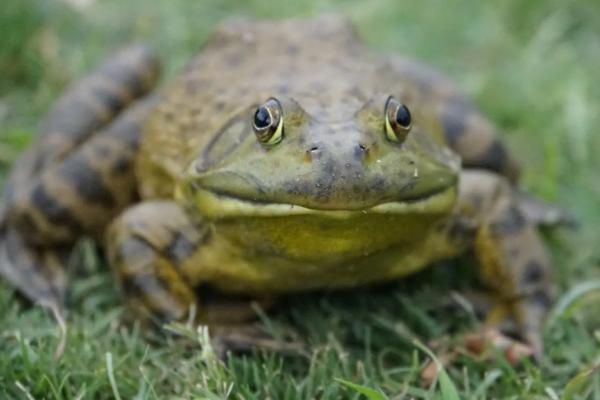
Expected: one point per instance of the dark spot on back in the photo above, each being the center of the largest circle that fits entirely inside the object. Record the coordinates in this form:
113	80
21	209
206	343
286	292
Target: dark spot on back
195	85
292	49
234	59
169	116
510	222
534	272
219	105
355	92
283	89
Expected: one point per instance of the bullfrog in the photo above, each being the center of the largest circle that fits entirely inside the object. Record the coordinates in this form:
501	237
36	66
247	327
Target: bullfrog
286	156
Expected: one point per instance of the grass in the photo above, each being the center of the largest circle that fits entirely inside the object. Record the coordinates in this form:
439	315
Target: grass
530	65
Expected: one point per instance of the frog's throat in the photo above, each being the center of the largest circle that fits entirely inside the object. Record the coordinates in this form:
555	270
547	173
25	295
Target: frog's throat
218	206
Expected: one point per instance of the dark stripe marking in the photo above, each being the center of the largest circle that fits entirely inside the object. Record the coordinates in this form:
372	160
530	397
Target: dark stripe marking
111	101
86	181
76	119
494	158
453	120
124	75
145	286
53	211
123	165
181	247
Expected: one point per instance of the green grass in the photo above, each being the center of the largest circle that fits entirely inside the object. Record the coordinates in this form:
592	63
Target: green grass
532	66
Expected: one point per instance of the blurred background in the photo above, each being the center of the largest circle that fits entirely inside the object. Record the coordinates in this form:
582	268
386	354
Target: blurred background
531	66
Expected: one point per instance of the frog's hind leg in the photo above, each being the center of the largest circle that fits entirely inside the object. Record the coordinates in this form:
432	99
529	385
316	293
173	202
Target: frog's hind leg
75	177
37	271
509	250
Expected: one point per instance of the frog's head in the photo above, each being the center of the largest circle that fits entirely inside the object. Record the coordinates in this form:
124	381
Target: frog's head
277	158
328	174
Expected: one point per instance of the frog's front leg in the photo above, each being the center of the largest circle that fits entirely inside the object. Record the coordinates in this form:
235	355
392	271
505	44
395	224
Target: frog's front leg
146	246
510	252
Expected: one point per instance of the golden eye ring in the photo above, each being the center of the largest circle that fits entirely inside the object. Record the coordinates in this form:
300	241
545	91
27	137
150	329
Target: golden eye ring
398	120
268	122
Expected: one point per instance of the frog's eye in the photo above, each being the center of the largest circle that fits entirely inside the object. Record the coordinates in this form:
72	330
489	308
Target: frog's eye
397	120
268	122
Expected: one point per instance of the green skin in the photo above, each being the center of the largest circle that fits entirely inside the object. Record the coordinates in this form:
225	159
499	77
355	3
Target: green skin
336	195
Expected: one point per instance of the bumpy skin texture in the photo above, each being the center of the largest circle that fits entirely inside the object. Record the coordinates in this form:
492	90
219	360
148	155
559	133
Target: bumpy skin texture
334	204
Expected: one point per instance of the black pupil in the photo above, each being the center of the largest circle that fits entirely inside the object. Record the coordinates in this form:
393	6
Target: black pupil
262	118
403	116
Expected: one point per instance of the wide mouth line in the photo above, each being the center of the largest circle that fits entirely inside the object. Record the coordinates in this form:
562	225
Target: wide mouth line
223	194
223	206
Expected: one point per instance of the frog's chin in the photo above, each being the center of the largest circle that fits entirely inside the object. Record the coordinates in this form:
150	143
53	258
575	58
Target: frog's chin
219	206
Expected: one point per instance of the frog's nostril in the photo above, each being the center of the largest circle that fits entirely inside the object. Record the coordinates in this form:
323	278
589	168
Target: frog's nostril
360	150
314	151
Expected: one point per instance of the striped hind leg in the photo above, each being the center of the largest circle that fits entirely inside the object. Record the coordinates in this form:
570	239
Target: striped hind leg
511	255
76	177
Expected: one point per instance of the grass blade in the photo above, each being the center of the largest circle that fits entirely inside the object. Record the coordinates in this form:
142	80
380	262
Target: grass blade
571	297
371	394
447	388
111	376
580	384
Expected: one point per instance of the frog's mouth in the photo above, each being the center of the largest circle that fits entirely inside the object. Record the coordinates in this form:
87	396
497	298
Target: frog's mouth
219	205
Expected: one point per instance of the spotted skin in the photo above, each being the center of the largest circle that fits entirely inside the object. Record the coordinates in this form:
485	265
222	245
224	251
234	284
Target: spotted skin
192	199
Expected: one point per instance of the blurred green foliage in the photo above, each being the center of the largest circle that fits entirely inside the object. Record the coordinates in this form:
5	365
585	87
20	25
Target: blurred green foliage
532	66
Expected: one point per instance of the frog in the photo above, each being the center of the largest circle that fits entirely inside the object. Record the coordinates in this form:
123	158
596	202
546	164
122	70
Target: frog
286	156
